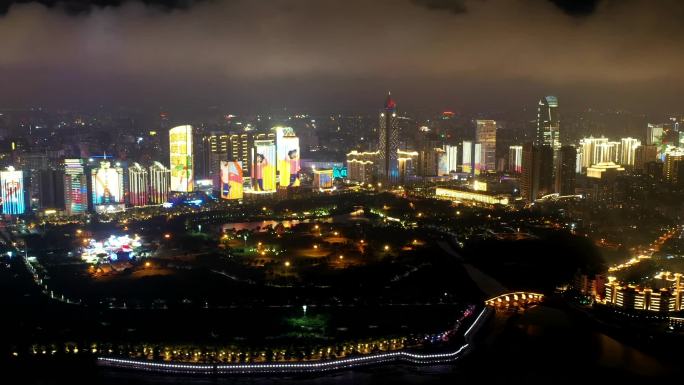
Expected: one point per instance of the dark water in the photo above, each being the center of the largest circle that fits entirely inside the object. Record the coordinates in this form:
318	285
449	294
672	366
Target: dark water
543	346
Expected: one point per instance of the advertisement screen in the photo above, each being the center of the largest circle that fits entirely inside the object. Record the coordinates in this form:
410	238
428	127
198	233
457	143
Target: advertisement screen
107	185
340	172
180	156
289	164
264	166
231	180
12	192
288	157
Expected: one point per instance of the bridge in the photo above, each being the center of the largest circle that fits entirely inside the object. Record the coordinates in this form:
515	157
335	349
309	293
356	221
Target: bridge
515	300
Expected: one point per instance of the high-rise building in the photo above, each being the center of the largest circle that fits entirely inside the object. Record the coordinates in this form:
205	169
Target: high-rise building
548	123
427	161
467	164
264	166
607	152
32	164
477	158
628	148
288	164
408	163
671	168
107	187
588	150
239	150
515	159
537	171
75	187
361	166
388	143
231	186
138	185
643	155
565	170
12	191
452	158
216	149
160	183
485	134
654	134
51	188
181	159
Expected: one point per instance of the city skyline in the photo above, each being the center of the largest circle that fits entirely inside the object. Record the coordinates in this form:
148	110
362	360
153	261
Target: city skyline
341	191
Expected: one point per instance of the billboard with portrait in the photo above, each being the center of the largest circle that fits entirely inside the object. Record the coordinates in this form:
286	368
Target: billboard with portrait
231	180
264	166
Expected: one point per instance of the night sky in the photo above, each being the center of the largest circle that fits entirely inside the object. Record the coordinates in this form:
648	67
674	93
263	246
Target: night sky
325	56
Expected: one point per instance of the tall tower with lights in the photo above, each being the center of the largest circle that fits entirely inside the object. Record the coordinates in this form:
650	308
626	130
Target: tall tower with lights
388	143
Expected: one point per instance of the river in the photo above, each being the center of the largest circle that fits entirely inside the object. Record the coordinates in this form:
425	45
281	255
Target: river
542	346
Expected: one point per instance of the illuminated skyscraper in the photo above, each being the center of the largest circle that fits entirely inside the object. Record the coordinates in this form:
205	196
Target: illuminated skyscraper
607	152
654	134
263	175
75	187
515	159
288	163
181	158
216	147
548	123
231	181
12	191
239	149
467	164
477	158
361	166
388	143
108	187
408	162
138	185
485	134
452	158
160	183
628	148
673	165
589	150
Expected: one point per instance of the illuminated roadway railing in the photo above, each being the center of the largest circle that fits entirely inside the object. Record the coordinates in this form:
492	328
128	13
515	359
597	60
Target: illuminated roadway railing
516	299
302	367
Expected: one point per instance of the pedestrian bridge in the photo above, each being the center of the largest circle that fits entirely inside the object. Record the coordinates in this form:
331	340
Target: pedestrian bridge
519	299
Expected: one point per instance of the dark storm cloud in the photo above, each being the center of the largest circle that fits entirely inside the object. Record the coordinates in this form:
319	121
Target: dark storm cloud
455	6
323	52
577	7
79	7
